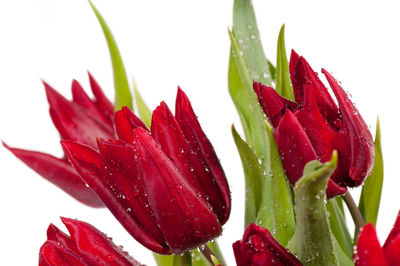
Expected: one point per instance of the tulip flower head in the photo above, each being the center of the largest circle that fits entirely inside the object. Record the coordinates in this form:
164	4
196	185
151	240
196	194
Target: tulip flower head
258	247
81	119
313	126
164	185
369	252
86	245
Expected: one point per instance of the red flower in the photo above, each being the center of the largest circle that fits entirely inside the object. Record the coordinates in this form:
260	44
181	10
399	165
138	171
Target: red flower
86	246
258	248
370	253
81	119
167	187
313	126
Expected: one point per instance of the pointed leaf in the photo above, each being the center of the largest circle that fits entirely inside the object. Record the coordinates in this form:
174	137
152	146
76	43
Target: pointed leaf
252	175
372	189
276	209
257	128
239	97
144	111
283	82
123	95
246	32
313	242
339	227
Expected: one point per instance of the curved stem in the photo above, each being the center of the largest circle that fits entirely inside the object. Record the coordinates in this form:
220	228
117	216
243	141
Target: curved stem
354	211
207	253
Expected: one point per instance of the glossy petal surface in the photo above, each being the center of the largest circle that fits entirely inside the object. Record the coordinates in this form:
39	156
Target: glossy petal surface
60	173
258	247
86	246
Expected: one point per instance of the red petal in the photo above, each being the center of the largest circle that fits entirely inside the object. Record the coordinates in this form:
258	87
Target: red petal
72	121
184	218
91	168
294	146
166	131
58	172
51	254
258	247
96	247
62	239
272	103
296	151
392	245
368	250
102	101
360	140
125	122
81	98
120	160
201	146
302	74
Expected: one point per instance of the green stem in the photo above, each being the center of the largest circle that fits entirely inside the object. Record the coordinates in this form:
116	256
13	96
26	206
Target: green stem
354	211
208	253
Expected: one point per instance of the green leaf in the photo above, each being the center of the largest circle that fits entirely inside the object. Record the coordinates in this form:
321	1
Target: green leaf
276	209
257	128
313	242
339	227
283	82
183	260
344	260
164	260
246	31
123	96
272	71
141	106
247	63
372	189
252	176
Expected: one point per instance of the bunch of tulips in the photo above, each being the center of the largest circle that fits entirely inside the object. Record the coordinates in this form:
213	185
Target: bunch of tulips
161	179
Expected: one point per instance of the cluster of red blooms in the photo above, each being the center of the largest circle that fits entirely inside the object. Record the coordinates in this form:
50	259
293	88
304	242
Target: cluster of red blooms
165	184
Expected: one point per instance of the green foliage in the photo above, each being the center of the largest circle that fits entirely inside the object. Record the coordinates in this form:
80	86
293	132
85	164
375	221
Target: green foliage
313	242
372	189
123	95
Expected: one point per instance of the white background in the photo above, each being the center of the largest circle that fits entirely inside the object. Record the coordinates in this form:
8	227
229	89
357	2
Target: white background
165	44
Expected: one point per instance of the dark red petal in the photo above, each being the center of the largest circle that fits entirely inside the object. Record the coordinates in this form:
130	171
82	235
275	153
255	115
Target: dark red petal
58	172
360	140
273	105
296	151
294	146
302	74
72	121
258	247
323	136
166	131
391	247
201	146
125	122
91	168
81	98
52	254
368	250
120	159
185	219
95	246
102	101
62	239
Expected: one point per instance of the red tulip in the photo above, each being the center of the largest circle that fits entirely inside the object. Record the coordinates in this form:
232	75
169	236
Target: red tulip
369	252
81	119
167	187
313	126
259	248
86	246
